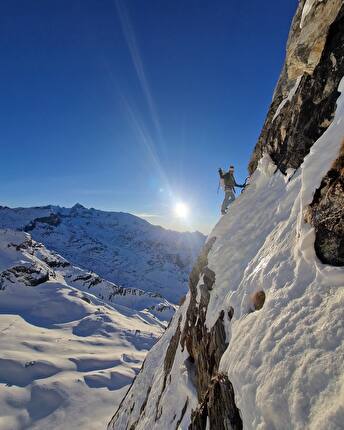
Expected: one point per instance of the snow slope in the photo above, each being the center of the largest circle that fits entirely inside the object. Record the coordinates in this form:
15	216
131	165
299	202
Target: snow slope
66	357
120	247
285	360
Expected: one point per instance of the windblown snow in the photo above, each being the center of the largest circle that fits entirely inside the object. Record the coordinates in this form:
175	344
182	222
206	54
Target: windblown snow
67	356
286	361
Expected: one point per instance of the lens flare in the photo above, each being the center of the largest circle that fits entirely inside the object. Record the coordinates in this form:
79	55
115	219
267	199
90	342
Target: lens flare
181	210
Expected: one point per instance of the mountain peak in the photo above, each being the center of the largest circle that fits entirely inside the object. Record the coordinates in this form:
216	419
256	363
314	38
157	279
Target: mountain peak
78	206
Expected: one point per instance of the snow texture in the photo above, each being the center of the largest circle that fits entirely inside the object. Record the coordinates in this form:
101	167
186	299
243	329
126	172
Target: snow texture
67	357
120	247
286	360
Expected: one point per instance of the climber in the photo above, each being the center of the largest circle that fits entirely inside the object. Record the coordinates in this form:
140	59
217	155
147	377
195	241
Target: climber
228	183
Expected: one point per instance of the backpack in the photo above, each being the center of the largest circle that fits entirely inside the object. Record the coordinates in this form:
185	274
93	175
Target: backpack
228	180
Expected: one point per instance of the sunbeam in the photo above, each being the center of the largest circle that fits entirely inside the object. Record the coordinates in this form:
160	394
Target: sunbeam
130	38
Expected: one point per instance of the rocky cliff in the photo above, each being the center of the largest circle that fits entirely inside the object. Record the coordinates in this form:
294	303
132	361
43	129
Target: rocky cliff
258	342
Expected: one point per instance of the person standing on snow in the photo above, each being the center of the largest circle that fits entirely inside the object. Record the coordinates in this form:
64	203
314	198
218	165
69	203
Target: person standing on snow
228	183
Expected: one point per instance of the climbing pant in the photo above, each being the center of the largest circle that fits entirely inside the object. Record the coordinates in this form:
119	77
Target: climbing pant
229	198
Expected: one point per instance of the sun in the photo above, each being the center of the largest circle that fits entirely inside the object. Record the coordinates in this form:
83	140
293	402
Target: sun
181	210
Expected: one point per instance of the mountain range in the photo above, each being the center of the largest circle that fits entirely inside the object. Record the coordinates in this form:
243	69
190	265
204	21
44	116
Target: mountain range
120	247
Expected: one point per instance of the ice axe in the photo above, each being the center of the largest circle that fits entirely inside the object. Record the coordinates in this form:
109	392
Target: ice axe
218	187
245	184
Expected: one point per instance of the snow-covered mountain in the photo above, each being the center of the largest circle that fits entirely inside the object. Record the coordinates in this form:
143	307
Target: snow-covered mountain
120	247
67	356
259	341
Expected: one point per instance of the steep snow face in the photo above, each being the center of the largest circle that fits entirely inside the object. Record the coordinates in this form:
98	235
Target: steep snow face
67	357
120	247
283	357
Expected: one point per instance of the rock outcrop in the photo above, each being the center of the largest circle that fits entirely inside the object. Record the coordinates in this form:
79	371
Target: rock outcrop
326	214
305	97
205	349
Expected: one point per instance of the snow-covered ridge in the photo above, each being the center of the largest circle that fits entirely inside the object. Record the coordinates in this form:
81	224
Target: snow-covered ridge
66	356
120	247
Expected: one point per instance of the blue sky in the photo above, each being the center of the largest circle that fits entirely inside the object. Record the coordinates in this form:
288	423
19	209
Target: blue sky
133	105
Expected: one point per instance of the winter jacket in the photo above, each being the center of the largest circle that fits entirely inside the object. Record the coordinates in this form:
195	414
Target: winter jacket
229	180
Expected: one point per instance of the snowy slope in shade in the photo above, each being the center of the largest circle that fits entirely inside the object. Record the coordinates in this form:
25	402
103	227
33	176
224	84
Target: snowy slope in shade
66	356
133	298
285	361
120	247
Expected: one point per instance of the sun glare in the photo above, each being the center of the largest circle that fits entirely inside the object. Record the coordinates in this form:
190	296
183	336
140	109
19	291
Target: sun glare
181	210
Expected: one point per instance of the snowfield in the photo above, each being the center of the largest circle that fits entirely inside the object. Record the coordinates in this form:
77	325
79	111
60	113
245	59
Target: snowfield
67	357
286	360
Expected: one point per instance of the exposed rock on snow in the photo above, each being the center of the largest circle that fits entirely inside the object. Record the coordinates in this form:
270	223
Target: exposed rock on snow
216	408
120	247
66	356
205	349
326	214
257	300
281	367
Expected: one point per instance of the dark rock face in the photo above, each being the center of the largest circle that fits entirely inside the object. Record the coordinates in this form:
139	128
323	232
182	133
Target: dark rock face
289	136
29	275
90	279
326	214
53	220
171	351
205	348
217	405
